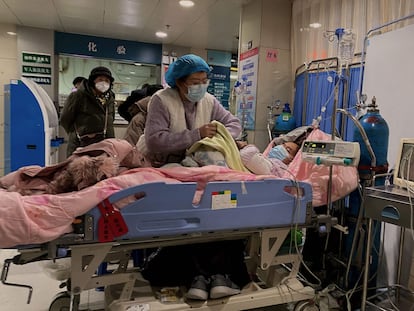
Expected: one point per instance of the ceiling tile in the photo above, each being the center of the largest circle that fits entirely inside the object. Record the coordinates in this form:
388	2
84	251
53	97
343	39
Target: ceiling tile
210	24
6	16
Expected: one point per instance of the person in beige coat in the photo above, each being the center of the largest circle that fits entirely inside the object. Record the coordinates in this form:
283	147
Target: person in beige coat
139	111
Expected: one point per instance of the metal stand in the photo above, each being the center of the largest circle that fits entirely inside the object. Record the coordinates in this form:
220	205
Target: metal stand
390	204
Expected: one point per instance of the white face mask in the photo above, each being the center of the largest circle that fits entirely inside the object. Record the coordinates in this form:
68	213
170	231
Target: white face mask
278	152
196	92
102	86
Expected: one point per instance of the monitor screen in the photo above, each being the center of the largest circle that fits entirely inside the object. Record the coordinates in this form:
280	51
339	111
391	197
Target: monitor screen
404	169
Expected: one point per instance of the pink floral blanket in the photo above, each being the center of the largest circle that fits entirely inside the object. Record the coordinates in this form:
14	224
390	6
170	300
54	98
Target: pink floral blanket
41	218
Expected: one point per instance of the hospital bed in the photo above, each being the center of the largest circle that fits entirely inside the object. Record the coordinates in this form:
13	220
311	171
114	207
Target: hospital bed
160	214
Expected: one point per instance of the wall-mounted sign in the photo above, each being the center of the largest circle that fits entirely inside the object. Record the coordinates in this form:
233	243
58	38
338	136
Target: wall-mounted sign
39	80
220	84
99	47
36	70
246	102
38	58
271	55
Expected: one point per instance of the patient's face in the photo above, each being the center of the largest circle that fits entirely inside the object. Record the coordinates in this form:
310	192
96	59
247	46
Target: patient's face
292	149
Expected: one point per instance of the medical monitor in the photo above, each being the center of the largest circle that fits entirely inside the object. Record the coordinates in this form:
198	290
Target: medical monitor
404	168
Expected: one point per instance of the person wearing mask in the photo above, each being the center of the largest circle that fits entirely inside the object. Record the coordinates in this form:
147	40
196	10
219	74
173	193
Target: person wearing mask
177	118
277	156
284	152
138	111
181	115
88	114
77	83
274	161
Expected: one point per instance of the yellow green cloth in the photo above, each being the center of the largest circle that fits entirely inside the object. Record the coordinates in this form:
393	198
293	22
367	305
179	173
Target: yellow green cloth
223	142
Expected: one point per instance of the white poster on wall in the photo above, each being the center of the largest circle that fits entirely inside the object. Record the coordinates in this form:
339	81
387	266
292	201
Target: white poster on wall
246	101
388	76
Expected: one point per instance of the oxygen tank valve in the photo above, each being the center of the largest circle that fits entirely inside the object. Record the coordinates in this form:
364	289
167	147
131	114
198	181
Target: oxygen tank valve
373	106
286	108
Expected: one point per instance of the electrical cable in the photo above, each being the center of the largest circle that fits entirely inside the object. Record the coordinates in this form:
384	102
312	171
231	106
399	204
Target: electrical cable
294	225
319	282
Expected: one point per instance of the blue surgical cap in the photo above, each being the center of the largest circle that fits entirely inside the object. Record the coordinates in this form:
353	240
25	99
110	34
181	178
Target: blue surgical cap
184	66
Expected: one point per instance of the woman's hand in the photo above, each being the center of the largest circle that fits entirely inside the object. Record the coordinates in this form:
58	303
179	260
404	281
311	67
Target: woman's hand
208	130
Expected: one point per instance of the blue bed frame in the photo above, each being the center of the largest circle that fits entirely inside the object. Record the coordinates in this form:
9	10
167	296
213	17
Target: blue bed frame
167	209
160	214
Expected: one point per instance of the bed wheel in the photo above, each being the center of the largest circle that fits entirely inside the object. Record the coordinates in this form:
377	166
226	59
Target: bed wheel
306	305
61	302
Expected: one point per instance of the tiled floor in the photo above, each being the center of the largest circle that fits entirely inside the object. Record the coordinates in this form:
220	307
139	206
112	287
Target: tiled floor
44	287
15	298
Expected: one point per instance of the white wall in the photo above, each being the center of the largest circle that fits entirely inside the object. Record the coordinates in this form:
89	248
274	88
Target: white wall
389	69
8	71
267	24
37	41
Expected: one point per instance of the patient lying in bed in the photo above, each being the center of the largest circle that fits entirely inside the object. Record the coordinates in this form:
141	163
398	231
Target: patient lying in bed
275	163
282	158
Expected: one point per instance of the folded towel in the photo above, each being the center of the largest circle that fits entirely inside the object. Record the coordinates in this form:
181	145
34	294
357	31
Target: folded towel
224	143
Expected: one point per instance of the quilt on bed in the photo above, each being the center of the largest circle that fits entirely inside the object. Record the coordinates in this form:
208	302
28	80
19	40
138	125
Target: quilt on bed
40	218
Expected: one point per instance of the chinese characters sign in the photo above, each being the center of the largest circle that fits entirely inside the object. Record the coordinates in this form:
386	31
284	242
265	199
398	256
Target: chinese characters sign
99	47
35	58
37	70
39	80
220	84
271	55
39	74
246	102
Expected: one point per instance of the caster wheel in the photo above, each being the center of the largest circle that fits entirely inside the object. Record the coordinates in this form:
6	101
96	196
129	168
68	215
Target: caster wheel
307	305
61	302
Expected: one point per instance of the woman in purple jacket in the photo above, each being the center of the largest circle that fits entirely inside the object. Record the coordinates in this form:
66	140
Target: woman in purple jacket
181	115
177	118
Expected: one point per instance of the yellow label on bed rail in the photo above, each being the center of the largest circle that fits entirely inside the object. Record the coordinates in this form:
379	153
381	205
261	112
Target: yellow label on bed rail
223	199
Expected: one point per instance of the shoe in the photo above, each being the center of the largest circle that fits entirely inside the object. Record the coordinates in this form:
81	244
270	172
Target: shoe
199	288
222	286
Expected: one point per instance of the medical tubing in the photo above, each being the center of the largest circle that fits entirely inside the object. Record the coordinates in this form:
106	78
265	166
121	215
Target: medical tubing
399	264
297	208
333	126
363	134
345	100
355	237
354	240
349	293
295	182
306	71
326	103
366	40
269	132
373	163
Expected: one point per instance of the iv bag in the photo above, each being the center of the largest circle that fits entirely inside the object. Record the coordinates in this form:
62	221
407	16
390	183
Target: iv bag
346	47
